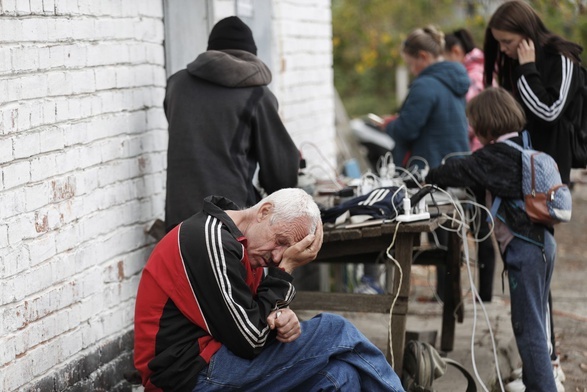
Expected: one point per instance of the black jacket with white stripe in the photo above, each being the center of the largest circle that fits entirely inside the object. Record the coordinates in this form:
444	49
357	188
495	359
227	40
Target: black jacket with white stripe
198	292
546	89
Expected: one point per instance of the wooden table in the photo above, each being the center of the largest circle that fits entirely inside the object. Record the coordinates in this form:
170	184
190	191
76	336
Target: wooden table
347	245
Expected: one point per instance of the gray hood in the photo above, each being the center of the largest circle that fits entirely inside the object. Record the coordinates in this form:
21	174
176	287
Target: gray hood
230	68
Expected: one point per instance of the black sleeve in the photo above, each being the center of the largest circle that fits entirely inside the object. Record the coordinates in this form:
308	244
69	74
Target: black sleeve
278	156
547	97
496	167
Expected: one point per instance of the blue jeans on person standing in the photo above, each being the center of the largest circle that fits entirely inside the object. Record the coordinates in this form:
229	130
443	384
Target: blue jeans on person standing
529	273
330	355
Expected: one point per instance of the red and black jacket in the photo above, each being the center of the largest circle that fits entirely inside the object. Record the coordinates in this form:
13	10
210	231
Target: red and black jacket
198	292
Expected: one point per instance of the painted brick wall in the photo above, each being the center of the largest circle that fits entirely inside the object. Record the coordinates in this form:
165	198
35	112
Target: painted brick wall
83	142
304	78
82	174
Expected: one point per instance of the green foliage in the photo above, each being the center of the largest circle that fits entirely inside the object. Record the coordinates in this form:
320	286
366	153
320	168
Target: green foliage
367	35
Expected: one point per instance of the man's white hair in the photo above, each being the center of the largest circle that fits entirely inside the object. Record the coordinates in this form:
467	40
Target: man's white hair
290	204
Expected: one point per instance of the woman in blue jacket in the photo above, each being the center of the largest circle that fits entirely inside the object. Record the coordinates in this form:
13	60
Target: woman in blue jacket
432	121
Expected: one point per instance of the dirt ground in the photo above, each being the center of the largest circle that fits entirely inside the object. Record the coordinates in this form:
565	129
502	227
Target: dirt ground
569	290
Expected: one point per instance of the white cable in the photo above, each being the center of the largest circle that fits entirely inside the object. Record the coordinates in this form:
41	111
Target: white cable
418	158
393	198
437	242
399	286
319	153
476	298
409	174
385	166
462	232
463	235
491	220
454	154
330	177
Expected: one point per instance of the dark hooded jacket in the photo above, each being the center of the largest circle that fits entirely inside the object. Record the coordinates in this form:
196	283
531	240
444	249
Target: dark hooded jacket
223	124
432	121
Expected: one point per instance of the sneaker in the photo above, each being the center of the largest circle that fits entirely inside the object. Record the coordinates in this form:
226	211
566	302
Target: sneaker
368	286
516	373
517	385
558	370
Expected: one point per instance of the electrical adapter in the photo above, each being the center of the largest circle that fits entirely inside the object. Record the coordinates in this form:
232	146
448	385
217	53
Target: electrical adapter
413	217
408	216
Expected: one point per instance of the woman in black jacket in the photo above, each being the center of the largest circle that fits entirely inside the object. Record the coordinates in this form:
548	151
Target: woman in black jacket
541	70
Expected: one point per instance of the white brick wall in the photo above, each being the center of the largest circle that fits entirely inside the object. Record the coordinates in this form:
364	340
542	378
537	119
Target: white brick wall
83	142
82	174
303	69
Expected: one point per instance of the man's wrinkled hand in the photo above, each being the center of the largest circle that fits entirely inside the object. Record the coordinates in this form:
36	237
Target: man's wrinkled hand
303	252
287	324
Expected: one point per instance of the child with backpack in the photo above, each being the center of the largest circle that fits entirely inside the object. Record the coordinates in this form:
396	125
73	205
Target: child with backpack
528	248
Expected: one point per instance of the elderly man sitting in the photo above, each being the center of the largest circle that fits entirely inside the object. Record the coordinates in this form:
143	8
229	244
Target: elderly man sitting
212	307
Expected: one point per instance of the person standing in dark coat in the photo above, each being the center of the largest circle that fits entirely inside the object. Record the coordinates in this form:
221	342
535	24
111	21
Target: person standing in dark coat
527	248
431	124
224	127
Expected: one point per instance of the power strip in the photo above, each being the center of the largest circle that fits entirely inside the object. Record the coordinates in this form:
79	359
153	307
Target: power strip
413	217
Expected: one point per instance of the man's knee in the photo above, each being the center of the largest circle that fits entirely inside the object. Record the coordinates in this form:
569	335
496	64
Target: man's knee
336	376
333	319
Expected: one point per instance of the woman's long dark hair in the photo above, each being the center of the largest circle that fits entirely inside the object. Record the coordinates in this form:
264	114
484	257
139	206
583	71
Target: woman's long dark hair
519	18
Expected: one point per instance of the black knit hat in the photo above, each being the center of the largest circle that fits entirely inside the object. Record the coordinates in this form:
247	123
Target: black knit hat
232	33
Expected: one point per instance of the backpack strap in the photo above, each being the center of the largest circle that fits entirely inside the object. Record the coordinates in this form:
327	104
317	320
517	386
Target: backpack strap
526	139
494	208
527	145
471	386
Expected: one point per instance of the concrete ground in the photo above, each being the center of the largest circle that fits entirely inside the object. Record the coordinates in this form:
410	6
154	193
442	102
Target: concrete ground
473	347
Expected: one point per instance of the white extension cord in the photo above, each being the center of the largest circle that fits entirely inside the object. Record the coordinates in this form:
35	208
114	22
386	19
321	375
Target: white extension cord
409	215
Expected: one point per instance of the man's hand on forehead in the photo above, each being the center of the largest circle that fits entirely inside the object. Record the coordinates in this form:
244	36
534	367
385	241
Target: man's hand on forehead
302	252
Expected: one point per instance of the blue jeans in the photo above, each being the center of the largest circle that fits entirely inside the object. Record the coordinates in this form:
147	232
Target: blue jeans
330	355
529	274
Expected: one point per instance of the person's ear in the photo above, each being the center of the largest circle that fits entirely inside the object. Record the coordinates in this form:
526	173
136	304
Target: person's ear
264	211
458	51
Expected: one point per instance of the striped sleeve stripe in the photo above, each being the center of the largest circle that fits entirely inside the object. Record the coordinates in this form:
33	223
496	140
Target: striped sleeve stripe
375	197
289	296
541	110
190	283
250	332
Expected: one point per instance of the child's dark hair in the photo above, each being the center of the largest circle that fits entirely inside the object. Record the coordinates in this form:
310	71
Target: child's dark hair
495	112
